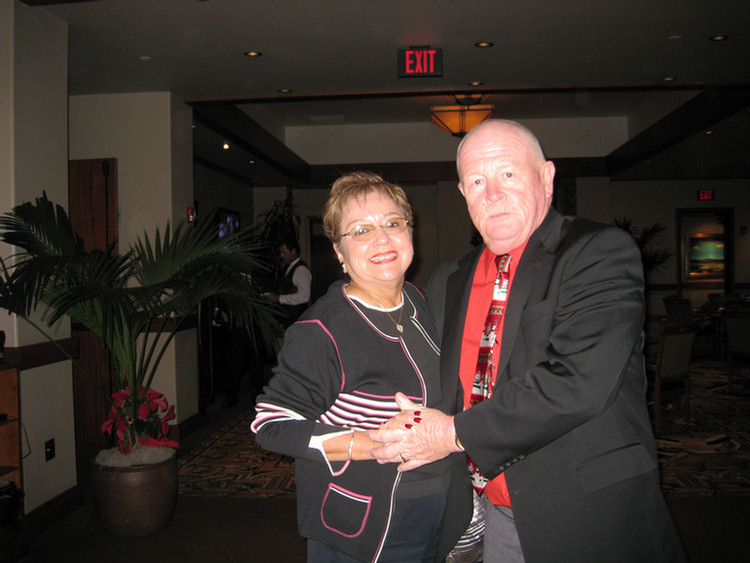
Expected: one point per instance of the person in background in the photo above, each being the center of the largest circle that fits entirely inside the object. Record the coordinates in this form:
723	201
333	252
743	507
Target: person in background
338	371
294	288
542	334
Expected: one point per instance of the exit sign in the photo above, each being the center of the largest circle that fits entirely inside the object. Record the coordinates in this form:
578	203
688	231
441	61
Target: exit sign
705	195
420	61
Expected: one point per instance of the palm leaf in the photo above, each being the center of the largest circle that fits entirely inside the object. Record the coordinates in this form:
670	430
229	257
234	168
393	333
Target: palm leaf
646	238
157	283
40	229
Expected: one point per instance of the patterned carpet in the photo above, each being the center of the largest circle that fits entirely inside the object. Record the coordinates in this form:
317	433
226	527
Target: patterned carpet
707	456
230	464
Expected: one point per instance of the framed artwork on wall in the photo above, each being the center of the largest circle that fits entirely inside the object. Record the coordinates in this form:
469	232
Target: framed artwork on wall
703	257
704	246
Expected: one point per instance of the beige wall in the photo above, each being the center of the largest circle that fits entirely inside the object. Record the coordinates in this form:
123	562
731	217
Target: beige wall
47	413
424	142
454	225
649	202
136	129
7	24
383	142
33	158
7	128
181	153
150	135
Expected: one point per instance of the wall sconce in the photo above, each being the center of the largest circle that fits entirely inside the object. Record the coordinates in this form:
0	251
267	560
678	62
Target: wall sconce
460	118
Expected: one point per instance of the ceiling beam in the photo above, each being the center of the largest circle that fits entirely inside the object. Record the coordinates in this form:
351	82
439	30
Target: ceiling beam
219	169
52	2
440	171
709	107
238	128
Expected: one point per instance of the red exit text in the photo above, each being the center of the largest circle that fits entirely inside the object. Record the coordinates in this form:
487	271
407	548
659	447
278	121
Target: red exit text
420	62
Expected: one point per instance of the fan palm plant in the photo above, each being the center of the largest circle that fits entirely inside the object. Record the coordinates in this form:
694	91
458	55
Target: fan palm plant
275	226
135	302
646	238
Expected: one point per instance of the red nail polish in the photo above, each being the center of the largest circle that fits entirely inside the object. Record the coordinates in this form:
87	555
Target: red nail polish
417	420
417	413
408	426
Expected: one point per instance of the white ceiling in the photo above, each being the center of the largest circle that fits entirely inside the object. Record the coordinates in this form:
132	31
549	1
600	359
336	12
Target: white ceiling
550	58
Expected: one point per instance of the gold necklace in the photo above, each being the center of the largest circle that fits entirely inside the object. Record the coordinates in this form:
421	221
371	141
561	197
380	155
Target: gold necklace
399	326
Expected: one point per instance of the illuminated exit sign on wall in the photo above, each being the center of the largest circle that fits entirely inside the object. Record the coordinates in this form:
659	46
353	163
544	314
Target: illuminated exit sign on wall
420	61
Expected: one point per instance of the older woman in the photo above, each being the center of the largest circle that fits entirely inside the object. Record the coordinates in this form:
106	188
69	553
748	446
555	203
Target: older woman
338	370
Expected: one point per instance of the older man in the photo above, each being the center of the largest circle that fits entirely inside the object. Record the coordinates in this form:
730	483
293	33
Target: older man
541	338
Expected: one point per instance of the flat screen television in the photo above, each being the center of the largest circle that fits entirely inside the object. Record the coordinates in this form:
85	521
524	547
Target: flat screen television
229	223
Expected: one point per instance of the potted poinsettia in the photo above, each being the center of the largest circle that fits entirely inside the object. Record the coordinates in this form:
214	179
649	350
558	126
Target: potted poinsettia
150	427
135	302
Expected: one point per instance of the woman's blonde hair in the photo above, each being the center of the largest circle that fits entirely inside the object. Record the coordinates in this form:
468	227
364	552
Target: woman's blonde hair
357	185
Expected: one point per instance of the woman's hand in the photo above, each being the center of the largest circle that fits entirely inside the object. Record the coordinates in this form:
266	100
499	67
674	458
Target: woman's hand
414	437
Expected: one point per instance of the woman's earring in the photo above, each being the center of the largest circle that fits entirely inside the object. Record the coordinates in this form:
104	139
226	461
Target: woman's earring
343	267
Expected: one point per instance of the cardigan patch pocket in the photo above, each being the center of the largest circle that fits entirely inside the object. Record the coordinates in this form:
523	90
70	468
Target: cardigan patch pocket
345	512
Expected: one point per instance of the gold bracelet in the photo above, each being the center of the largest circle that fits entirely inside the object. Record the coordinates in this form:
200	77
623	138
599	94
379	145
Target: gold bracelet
459	444
351	443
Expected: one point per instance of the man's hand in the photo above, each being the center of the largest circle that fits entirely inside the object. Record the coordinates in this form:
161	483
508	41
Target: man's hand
414	437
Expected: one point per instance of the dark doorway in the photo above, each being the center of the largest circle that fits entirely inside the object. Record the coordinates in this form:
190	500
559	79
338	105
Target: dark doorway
324	265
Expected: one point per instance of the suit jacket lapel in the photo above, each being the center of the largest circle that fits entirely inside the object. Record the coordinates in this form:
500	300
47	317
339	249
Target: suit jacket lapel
538	252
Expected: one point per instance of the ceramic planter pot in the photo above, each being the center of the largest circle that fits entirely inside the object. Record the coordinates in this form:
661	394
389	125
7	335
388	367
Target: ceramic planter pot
135	501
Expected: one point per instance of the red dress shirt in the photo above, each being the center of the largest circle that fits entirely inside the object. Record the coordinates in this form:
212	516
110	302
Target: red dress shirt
479	303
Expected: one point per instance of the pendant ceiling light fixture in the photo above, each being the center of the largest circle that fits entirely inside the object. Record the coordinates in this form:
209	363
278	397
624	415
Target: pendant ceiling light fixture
460	118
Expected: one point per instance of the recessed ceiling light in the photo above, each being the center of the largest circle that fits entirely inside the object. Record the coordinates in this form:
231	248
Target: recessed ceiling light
718	38
225	146
144	58
476	83
669	79
285	90
483	44
709	132
253	54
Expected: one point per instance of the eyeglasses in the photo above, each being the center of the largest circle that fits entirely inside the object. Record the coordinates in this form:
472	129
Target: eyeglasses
391	227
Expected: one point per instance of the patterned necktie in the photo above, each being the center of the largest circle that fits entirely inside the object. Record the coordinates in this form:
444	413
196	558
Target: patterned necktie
483	376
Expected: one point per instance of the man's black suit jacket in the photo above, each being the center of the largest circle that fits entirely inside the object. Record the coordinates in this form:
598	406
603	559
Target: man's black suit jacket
567	421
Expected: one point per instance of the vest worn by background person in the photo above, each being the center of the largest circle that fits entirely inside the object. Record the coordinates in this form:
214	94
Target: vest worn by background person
286	286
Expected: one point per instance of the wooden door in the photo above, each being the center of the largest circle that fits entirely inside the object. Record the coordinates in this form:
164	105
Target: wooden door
92	206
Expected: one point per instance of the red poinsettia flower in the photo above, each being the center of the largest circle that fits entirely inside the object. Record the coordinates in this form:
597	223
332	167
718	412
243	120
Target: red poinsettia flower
139	420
